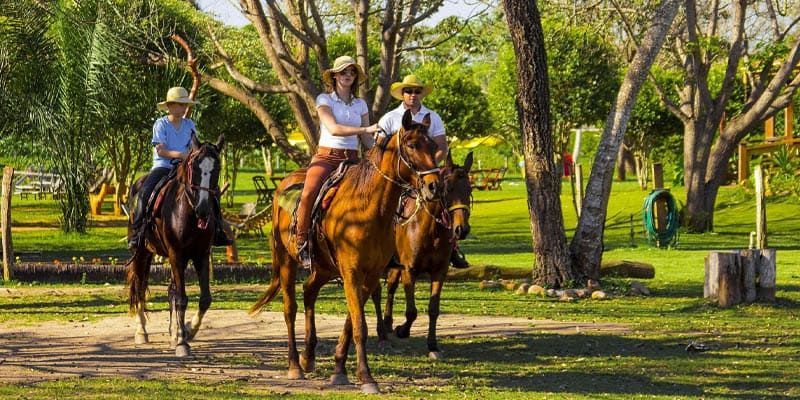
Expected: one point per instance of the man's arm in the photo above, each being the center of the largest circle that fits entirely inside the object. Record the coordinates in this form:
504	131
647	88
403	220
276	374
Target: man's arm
441	152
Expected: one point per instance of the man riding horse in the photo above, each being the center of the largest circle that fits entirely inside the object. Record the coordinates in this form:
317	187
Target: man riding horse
410	92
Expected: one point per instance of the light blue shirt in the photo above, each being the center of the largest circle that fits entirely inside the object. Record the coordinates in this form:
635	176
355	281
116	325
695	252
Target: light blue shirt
173	139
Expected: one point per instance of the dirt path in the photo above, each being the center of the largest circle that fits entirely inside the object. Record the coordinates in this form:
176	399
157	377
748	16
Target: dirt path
230	346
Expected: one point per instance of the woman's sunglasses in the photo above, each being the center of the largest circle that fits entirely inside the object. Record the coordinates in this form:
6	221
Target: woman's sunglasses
412	91
349	71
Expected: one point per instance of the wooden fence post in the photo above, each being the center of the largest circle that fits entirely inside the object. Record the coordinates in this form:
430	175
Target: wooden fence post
761	210
5	220
578	172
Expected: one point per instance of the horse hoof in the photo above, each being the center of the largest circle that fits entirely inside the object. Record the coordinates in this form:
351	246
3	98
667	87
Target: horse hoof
370	388
308	365
339	379
295	374
182	350
141	338
435	355
402	333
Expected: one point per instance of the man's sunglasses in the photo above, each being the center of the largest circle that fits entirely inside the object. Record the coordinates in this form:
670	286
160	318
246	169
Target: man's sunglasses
412	91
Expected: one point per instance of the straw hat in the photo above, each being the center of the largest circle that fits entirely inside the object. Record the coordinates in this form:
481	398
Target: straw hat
176	94
409	81
339	65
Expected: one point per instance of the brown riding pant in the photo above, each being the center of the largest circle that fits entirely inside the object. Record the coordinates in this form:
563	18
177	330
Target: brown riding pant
322	164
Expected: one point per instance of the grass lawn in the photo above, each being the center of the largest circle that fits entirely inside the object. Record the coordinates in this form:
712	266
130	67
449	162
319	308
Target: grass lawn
754	349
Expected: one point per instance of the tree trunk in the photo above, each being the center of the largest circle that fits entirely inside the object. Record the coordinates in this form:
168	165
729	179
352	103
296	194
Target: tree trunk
587	245
552	265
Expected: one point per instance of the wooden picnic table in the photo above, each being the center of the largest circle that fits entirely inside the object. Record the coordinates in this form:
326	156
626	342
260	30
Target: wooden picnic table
487	179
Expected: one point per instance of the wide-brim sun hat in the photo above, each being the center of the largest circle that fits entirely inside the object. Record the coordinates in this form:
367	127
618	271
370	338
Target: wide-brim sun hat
339	65
410	81
176	94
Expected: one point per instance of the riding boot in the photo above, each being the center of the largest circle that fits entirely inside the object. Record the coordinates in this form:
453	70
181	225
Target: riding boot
457	258
136	227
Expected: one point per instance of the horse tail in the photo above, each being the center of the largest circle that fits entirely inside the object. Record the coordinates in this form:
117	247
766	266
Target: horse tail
137	277
272	290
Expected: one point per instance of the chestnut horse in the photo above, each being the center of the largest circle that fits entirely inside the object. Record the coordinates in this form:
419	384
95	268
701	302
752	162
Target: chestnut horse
355	242
424	245
182	229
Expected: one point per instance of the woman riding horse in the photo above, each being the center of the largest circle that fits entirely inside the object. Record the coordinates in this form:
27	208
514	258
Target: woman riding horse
354	241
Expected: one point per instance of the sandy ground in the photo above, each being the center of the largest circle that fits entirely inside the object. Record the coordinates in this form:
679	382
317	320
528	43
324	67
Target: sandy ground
58	350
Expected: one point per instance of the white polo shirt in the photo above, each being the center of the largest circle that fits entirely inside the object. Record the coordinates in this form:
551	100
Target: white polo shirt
344	114
392	121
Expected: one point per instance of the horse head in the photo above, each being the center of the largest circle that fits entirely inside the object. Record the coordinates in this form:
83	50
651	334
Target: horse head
417	151
458	194
202	169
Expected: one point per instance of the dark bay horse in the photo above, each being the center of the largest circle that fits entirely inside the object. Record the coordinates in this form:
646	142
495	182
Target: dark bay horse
424	243
182	229
355	242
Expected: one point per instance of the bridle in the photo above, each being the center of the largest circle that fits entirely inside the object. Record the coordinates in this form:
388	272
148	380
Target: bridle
404	158
190	189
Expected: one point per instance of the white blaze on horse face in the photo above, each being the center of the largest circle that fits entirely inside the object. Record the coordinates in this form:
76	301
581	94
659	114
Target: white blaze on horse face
206	166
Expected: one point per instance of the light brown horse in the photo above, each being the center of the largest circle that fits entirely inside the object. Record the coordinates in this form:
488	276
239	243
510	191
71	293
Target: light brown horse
424	245
182	230
355	242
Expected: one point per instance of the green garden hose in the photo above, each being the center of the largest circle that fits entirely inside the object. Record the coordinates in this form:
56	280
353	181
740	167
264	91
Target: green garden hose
667	236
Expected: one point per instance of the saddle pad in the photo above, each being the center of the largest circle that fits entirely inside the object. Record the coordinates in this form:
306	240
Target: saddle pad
289	199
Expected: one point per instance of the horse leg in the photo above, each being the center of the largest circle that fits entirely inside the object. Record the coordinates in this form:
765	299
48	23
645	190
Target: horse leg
392	280
202	266
437	280
404	331
310	292
383	336
179	301
356	289
288	278
143	261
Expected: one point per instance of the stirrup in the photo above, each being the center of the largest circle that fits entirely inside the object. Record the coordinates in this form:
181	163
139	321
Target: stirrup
304	255
221	239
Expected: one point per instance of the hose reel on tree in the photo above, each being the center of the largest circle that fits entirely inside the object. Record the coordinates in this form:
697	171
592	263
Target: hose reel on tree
660	217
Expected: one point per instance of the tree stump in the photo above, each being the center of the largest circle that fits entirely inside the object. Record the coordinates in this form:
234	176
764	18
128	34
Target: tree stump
733	277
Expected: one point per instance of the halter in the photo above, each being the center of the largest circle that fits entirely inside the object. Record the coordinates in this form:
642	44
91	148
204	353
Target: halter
192	186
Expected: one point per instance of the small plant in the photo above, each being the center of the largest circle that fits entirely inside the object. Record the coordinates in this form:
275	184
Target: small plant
83	278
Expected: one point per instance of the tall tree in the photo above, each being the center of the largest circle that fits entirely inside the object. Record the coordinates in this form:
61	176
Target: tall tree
552	264
759	34
586	246
294	39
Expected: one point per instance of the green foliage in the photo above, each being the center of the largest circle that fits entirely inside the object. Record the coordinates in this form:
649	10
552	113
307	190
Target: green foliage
653	132
457	99
583	76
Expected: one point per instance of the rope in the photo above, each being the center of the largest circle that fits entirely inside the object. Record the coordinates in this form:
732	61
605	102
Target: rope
668	236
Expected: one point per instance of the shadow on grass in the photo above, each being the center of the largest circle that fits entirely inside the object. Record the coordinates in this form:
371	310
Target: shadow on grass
580	364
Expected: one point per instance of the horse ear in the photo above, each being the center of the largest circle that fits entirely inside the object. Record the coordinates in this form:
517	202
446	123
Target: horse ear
426	120
407	120
468	161
449	161
195	142
220	141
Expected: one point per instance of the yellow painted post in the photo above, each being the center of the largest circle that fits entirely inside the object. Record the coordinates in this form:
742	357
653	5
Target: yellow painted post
744	163
769	129
788	126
